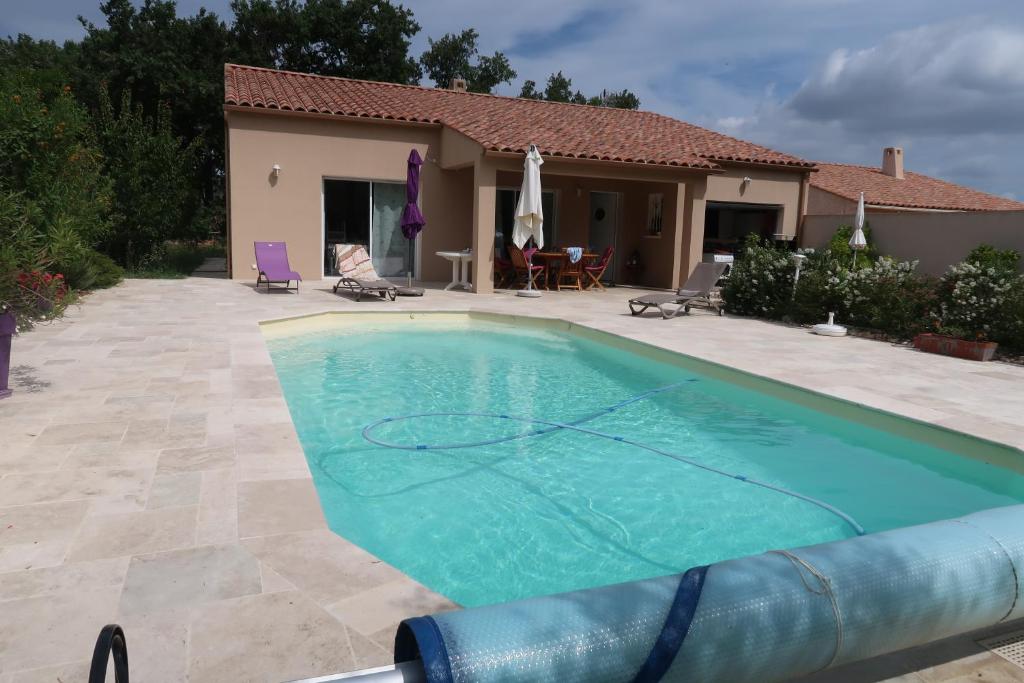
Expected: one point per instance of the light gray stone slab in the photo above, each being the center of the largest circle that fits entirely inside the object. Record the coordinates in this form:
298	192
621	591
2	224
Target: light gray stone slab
192	576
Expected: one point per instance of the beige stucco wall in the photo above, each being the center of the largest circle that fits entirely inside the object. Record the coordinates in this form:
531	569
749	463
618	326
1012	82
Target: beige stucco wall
936	240
767	186
822	203
309	149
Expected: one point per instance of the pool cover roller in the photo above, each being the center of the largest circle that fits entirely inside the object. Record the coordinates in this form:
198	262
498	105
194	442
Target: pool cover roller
761	618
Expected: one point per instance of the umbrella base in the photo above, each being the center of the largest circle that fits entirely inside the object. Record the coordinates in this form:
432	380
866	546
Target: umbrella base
531	293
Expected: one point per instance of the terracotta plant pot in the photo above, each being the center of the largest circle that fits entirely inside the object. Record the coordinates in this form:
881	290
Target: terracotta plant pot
951	346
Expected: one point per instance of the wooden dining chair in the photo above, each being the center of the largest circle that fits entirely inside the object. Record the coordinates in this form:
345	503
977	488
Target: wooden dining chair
596	271
573	272
523	270
504	273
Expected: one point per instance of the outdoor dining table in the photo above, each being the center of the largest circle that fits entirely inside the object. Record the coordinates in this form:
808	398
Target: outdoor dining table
550	258
460	268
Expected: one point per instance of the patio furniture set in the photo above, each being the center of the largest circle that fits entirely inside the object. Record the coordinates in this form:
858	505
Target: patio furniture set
562	269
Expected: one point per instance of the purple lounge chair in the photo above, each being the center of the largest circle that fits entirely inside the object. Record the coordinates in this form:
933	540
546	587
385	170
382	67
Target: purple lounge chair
272	263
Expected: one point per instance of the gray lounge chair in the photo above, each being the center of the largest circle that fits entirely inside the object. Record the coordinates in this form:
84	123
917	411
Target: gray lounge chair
697	290
358	275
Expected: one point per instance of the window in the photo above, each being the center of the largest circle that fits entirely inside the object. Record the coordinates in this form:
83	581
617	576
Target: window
655	206
367	213
505	218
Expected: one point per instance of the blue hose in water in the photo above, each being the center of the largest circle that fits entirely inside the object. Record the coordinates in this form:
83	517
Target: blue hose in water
550	426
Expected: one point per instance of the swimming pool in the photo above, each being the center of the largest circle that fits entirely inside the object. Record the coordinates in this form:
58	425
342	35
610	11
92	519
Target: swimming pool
567	510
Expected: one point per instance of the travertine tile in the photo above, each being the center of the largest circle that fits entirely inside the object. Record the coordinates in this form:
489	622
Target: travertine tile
306	642
321	564
85	432
196	458
171	490
266	508
47	487
68	578
192	576
52	629
387	604
134	533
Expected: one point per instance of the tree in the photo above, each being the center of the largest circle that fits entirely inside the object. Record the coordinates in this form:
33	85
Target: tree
452	55
559	89
623	99
162	60
42	63
366	39
529	91
154	179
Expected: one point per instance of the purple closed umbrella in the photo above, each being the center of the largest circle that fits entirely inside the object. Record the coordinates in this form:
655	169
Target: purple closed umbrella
412	219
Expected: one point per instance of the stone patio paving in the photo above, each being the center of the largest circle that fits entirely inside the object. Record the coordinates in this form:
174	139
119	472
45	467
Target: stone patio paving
150	475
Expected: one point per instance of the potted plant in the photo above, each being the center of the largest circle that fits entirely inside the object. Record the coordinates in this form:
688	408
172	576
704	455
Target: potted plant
956	342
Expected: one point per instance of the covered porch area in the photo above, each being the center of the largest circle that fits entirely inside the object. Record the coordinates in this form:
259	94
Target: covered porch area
652	217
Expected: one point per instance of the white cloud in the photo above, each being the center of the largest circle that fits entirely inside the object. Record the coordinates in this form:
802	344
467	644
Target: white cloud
946	79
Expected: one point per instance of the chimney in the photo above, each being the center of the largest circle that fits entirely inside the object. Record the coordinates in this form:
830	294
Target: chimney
892	162
458	84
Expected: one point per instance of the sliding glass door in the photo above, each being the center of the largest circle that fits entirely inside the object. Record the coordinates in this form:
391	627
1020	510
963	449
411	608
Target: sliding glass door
367	213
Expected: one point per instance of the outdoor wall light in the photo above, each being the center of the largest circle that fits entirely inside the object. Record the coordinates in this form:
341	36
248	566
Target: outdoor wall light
747	180
276	170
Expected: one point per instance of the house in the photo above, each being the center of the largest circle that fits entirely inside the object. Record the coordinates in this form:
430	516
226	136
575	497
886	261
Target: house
835	190
912	217
317	161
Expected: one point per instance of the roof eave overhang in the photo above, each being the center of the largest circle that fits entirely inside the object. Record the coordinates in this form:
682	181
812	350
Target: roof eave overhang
792	168
610	163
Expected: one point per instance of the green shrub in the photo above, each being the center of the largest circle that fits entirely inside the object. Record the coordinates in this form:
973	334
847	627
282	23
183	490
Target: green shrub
761	281
1010	330
89	269
839	247
1001	260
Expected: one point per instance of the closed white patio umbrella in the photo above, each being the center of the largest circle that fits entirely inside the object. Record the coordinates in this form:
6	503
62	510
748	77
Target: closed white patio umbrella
857	240
529	214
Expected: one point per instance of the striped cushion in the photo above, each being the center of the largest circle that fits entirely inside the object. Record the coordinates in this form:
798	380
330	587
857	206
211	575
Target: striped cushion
353	261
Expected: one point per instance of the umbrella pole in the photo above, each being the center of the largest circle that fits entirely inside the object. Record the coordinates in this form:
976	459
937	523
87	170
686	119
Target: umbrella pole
529	291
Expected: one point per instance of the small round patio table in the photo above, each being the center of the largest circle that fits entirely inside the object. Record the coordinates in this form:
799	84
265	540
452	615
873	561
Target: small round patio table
460	268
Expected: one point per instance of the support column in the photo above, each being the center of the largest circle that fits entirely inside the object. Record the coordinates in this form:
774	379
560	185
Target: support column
693	232
484	198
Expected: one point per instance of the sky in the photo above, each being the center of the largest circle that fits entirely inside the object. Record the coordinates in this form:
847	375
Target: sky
827	80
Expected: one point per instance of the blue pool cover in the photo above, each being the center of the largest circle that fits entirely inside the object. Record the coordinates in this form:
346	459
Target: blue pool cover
768	617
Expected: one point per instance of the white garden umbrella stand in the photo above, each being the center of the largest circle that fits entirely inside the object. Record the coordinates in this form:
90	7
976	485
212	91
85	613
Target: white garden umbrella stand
529	215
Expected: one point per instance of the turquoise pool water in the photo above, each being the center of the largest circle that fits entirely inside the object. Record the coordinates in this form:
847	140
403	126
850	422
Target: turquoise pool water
566	510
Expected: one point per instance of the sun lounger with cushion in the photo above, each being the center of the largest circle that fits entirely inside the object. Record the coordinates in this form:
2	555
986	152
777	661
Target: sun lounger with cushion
697	290
358	274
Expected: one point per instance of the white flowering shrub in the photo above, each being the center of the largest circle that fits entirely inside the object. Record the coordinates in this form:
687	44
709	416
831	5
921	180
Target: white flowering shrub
974	299
980	298
760	281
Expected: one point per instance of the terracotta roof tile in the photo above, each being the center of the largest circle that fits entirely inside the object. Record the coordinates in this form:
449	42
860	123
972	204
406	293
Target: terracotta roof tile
914	191
506	124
